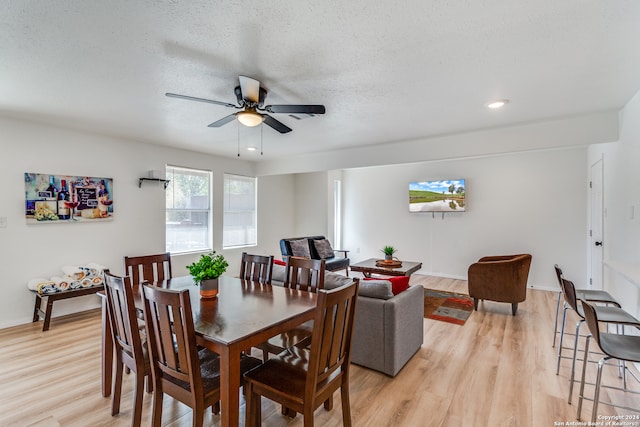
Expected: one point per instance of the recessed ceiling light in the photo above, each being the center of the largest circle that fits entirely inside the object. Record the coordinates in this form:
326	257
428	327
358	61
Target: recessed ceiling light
497	104
251	148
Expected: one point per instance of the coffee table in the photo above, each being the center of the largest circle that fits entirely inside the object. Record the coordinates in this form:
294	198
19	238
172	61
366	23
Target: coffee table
369	267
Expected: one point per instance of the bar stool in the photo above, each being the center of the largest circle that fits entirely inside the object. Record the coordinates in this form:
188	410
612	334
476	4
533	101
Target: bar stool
625	348
613	315
602	297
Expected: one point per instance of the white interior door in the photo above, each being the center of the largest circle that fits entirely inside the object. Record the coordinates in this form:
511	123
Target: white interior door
596	235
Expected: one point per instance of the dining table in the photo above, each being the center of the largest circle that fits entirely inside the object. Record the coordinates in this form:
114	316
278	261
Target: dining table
243	315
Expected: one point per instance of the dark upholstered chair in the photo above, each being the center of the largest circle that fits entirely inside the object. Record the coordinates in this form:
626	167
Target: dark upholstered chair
500	278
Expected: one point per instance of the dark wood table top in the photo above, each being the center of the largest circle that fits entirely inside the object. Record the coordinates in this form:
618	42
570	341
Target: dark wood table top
242	308
368	267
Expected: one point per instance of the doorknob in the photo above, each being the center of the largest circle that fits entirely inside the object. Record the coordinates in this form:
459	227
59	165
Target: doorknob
598	243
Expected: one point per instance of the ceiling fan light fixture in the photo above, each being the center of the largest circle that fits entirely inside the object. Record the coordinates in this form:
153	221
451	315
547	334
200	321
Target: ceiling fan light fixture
249	118
497	104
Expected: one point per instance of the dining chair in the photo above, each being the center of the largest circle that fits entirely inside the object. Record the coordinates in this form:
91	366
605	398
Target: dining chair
257	268
302	274
130	350
152	268
302	378
624	348
613	315
596	296
180	368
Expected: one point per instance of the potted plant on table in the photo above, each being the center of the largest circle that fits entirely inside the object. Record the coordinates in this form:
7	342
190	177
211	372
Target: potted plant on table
206	271
388	252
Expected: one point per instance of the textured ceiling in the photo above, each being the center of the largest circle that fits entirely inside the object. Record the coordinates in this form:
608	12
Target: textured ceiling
386	71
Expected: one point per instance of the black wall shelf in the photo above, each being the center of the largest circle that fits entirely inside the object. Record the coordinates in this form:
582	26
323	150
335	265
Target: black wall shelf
165	182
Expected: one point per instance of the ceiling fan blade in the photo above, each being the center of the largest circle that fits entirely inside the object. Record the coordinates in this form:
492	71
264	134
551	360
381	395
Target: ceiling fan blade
308	109
250	89
191	98
279	126
223	121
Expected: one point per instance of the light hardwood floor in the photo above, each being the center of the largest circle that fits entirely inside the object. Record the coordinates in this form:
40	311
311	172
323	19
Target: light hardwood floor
496	370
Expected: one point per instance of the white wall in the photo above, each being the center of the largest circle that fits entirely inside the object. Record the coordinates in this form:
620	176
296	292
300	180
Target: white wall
40	250
531	202
622	208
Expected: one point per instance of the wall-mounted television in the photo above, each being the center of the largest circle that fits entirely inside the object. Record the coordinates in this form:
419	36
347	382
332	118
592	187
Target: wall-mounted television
437	196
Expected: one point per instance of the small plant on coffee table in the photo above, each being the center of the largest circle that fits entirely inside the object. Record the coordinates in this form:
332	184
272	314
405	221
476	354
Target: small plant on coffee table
388	252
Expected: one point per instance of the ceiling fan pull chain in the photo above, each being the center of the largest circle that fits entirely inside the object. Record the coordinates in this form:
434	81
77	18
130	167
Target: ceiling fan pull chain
238	137
261	138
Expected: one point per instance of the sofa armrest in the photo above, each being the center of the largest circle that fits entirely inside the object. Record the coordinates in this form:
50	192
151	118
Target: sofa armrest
387	333
343	251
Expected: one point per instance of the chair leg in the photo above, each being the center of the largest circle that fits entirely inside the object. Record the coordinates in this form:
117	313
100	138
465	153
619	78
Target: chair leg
149	383
475	304
197	417
137	400
555	324
253	410
514	308
308	416
573	363
564	318
346	406
328	404
288	412
117	388
596	394
156	419
582	381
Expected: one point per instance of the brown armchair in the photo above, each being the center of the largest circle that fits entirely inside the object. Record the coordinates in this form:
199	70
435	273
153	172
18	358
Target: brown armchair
500	278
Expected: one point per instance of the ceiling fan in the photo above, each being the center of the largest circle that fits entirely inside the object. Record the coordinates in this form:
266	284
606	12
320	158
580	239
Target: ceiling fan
251	96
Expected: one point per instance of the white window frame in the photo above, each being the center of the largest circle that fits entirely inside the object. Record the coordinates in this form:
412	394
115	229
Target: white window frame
195	238
240	235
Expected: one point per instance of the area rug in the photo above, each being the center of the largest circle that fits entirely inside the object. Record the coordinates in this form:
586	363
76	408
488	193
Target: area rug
447	306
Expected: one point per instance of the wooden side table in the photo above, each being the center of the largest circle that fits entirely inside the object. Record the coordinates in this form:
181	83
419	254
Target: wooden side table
51	298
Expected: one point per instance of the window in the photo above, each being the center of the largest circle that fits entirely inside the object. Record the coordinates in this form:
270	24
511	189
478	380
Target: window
188	210
240	220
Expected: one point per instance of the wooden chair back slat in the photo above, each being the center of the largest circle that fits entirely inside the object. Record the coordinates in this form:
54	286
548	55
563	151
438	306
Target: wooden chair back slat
169	320
257	268
150	268
305	274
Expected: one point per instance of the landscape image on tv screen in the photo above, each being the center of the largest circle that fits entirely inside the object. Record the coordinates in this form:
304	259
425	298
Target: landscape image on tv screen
437	196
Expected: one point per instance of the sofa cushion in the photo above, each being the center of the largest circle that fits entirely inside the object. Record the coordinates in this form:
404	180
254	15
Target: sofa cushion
300	247
334	280
398	283
323	248
380	289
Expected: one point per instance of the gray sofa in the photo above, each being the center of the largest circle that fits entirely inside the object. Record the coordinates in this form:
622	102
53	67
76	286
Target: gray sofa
388	329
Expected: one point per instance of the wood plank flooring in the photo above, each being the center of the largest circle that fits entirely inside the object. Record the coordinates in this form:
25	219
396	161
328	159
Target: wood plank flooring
496	370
